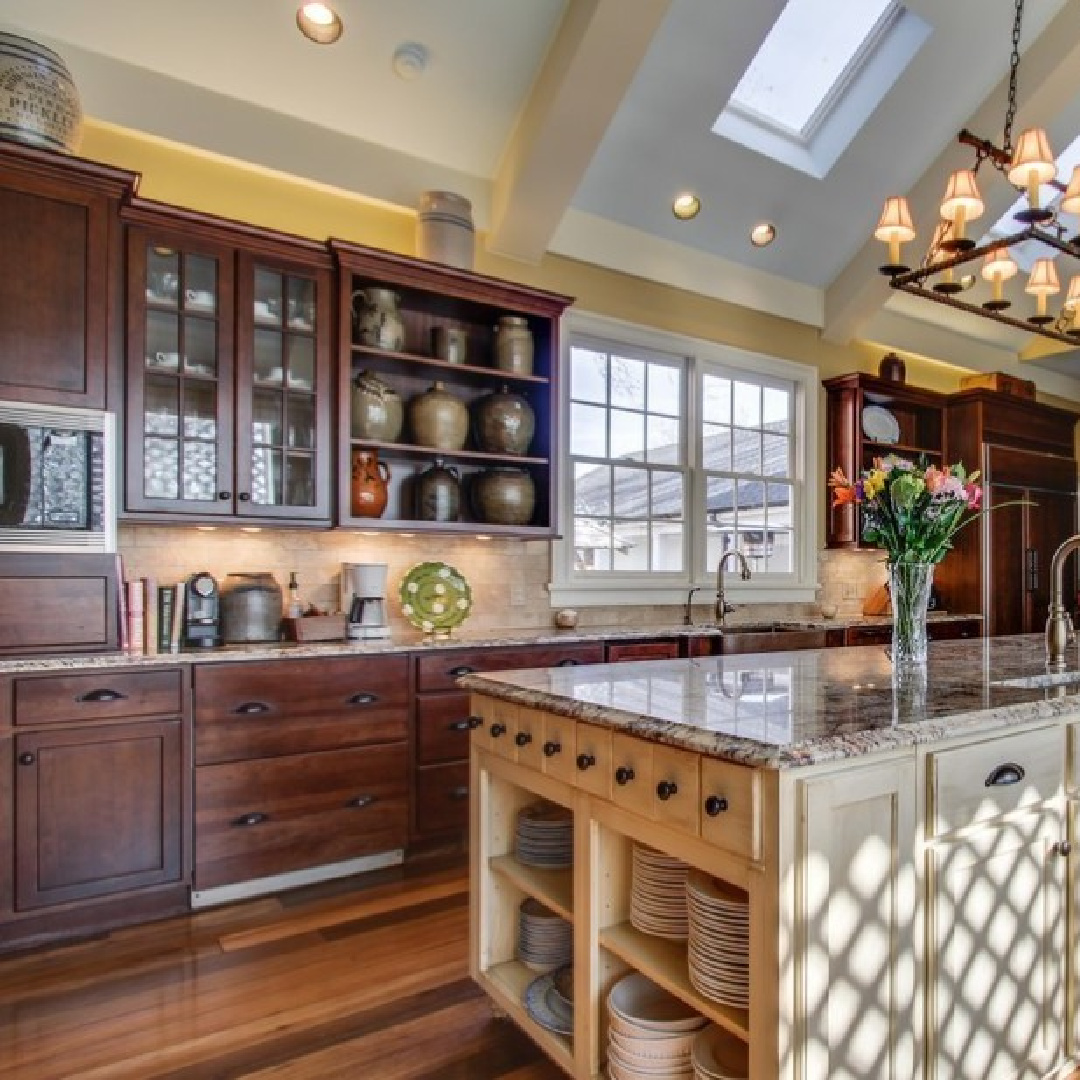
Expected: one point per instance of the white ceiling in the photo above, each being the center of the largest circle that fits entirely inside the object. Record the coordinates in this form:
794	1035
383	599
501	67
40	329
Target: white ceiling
572	123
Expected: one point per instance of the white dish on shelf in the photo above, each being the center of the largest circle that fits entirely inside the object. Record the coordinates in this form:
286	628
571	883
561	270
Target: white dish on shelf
880	425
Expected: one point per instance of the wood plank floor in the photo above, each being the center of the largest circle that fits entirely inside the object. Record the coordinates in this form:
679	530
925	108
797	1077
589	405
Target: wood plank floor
358	980
366	980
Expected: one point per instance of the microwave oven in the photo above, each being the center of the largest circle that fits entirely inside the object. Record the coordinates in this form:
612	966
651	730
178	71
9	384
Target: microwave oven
57	478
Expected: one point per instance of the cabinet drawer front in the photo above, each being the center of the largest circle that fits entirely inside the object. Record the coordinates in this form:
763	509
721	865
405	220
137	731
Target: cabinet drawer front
953	629
642	650
301	687
441	669
108	695
868	635
257	818
441	801
558	750
529	738
979	782
498	725
442	727
731	807
592	759
631	773
676	788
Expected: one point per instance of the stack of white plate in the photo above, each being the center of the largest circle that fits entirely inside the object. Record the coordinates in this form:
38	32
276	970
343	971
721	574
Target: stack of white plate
658	894
650	1033
545	835
718	949
545	940
719	1055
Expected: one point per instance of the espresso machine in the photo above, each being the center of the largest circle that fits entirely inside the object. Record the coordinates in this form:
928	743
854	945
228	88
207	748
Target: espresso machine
363	599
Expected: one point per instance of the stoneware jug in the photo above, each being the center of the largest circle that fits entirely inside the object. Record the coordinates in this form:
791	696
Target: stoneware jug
504	496
514	345
439	419
376	319
368	490
503	423
438	493
39	105
378	412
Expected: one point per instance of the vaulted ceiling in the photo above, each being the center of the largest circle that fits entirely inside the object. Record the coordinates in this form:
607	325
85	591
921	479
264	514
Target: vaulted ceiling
571	125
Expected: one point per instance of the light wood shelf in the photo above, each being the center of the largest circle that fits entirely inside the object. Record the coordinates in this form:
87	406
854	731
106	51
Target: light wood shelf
552	887
506	983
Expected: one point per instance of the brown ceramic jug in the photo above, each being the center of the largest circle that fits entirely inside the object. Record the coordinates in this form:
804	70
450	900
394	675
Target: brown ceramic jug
369	477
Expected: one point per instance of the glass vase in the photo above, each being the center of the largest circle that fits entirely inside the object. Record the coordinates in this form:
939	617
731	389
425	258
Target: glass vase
909	590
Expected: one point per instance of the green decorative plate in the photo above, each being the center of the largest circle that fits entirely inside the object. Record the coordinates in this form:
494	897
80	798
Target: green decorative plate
435	597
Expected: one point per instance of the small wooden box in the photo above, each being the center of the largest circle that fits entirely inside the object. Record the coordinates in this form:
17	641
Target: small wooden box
1000	383
316	628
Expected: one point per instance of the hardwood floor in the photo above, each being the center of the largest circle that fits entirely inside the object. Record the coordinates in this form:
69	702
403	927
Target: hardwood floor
359	980
366	980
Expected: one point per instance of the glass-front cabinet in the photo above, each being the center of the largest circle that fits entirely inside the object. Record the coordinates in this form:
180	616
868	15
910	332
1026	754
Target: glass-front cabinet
228	375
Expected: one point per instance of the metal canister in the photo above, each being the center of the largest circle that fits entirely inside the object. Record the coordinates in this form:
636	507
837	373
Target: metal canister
251	608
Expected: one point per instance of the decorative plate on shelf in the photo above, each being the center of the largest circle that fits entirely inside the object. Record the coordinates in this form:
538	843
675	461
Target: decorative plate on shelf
435	597
548	1007
880	425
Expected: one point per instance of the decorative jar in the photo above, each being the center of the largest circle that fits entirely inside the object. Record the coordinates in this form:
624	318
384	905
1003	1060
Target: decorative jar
514	345
438	493
503	423
39	104
368	492
504	496
909	592
438	419
444	229
378	412
377	321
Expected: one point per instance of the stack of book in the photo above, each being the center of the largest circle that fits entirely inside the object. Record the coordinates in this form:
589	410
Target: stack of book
153	616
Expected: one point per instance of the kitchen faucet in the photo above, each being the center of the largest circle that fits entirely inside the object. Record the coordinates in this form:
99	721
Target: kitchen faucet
1059	629
722	606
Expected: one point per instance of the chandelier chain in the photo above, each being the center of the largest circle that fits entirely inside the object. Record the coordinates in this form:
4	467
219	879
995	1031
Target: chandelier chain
1014	64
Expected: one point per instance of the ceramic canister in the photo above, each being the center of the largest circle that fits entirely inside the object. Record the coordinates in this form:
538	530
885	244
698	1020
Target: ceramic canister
251	608
514	345
377	321
444	229
377	409
504	496
39	104
439	419
503	423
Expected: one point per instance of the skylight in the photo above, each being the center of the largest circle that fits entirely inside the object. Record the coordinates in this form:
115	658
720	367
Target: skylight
820	73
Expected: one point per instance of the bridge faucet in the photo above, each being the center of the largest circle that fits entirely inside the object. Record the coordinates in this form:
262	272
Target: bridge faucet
722	606
1059	631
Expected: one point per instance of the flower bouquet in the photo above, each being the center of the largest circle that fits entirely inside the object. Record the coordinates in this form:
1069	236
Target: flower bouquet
913	512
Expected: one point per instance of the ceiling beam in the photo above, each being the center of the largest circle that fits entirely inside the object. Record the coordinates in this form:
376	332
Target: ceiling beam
596	52
1047	87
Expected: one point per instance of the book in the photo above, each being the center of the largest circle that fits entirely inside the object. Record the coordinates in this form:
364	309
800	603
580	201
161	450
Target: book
166	599
123	630
136	590
150	615
177	632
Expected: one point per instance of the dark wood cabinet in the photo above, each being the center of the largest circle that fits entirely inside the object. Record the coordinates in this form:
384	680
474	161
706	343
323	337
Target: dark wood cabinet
439	788
99	785
858	411
60	265
431	296
936	630
229	411
1001	565
299	764
616	652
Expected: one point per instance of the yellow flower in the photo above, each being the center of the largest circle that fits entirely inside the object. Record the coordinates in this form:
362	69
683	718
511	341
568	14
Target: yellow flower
873	483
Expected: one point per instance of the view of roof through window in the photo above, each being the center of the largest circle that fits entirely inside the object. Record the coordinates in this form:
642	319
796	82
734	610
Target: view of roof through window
812	51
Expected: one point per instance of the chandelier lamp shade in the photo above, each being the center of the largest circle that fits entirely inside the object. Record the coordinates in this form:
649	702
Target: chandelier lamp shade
946	269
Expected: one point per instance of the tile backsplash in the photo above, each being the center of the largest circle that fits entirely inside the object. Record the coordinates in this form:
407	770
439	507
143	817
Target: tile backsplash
508	578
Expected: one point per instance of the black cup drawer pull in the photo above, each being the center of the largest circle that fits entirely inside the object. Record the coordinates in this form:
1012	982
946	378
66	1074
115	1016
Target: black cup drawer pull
497	729
523	738
360	801
102	696
363	698
461	669
252	708
552	748
568	662
623	775
585	761
1004	775
256	817
715	805
665	789
458	793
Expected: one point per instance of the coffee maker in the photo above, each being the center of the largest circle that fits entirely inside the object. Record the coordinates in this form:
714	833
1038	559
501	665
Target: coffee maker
363	599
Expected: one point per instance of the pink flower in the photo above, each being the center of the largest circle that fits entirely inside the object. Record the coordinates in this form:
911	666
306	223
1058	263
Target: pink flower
974	496
935	478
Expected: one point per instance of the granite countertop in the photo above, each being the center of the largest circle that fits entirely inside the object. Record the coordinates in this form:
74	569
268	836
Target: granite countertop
416	642
781	710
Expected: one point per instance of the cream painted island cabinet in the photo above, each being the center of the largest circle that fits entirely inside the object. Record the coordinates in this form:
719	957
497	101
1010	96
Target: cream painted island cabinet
902	845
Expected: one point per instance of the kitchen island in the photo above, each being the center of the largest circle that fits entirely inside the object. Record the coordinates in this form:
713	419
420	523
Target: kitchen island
902	845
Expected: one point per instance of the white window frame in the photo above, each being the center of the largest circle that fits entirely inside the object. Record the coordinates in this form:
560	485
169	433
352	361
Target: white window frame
571	588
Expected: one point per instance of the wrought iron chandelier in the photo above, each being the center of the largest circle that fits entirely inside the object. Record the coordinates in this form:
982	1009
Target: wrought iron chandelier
941	276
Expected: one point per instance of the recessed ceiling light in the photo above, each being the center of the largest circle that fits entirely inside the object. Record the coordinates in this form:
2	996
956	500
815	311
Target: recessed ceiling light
686	206
763	234
319	23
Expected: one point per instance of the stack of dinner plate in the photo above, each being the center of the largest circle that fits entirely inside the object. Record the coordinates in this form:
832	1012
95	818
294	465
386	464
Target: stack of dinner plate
545	940
718	949
719	1055
658	894
650	1032
545	835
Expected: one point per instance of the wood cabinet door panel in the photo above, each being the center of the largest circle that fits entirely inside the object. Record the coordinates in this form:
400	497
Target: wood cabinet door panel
98	811
269	816
442	799
105	695
442	727
441	669
1051	519
1004	580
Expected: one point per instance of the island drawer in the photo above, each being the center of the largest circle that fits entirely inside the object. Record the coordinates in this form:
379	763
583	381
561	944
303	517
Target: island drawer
731	807
558	749
255	819
975	783
107	695
440	670
592	759
498	725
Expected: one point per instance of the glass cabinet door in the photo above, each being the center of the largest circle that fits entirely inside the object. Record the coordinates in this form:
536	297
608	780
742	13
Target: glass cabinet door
180	373
283	411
